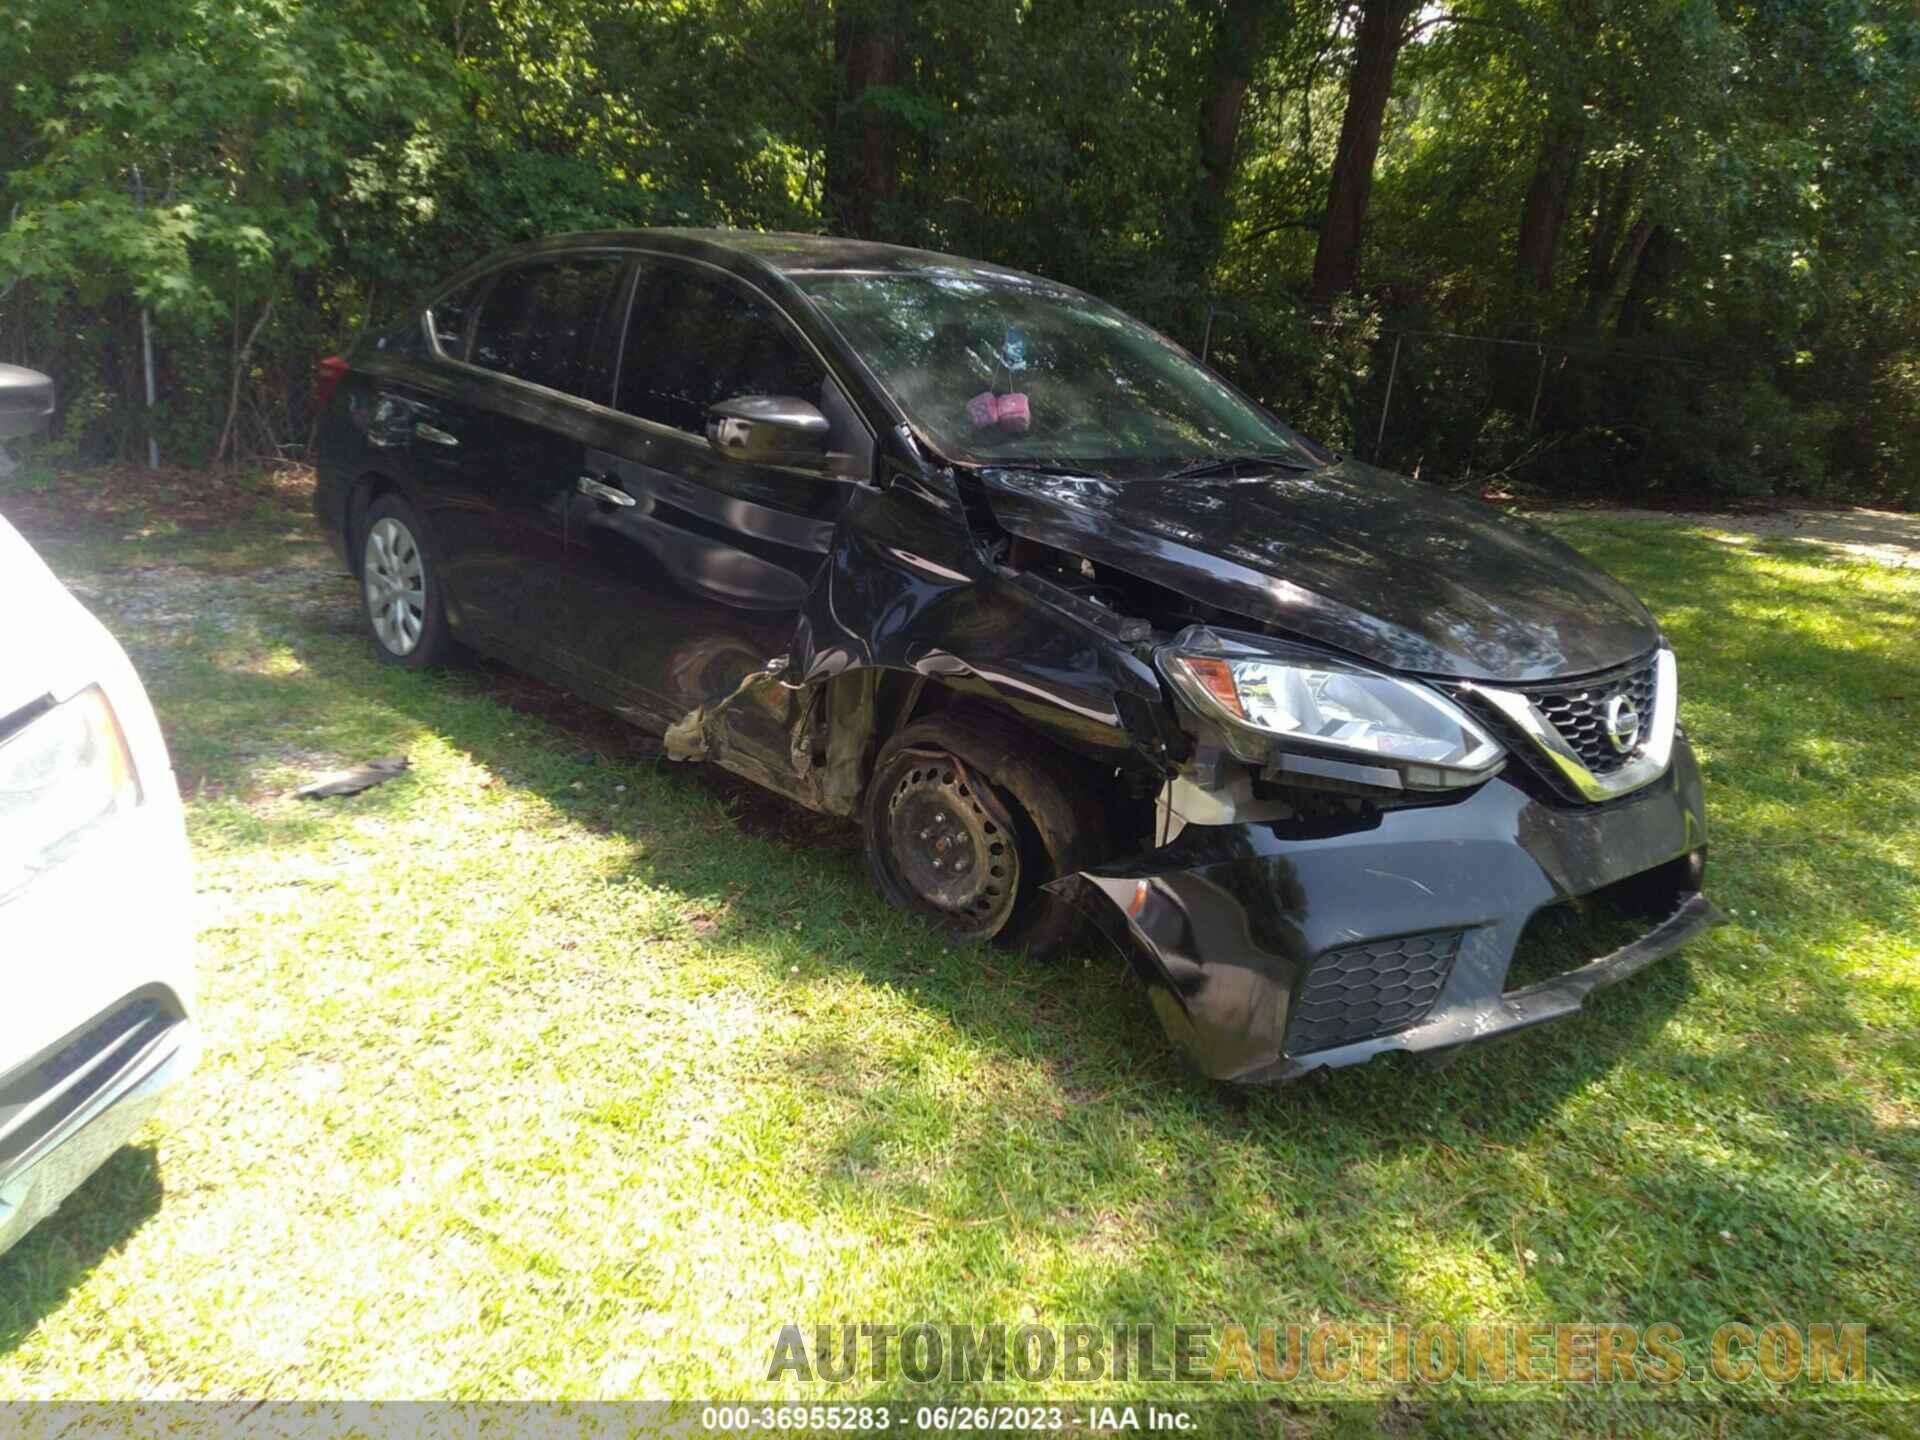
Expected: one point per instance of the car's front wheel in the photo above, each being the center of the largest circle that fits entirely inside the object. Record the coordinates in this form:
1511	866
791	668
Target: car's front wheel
966	818
401	590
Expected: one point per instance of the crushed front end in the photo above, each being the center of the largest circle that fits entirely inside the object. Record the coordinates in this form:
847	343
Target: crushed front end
1308	909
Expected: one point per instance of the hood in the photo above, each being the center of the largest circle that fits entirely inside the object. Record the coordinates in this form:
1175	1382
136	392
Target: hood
1389	570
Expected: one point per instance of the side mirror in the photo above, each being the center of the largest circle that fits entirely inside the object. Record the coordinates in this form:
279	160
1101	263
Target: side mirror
768	430
26	402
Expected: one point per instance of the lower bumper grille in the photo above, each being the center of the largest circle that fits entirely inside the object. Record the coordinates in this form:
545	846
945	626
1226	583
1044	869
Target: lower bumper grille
40	1098
1360	991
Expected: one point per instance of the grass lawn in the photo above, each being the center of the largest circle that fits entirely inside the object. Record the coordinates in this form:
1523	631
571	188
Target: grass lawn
552	1069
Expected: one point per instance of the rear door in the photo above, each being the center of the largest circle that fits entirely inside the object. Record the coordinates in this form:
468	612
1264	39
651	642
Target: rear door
500	451
694	573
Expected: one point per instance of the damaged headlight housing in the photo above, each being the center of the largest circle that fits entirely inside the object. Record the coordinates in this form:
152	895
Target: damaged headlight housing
1279	696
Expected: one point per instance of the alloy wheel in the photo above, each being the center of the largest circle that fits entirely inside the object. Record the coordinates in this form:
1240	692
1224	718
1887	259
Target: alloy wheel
396	581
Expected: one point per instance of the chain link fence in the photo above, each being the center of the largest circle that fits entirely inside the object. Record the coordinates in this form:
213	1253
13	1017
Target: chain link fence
1496	412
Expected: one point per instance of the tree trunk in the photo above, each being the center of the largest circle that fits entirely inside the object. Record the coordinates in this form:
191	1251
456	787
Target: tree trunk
1237	47
1603	245
1604	284
1376	49
1543	216
1656	262
863	156
242	355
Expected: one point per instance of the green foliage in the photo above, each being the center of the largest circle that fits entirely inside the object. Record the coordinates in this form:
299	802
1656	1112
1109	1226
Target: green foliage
1894	436
1746	439
1710	206
1310	367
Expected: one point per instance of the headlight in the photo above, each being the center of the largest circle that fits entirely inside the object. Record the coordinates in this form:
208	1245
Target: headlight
1311	702
61	774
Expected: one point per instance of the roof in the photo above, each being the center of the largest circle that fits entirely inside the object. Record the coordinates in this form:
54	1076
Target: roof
787	253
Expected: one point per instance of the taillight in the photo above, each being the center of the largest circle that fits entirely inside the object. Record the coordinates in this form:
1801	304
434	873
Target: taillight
327	377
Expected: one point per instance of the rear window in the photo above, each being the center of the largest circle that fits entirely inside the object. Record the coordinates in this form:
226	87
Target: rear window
407	340
541	322
450	316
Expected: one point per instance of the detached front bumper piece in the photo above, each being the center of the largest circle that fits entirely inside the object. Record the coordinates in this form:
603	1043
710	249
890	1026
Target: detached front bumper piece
1276	948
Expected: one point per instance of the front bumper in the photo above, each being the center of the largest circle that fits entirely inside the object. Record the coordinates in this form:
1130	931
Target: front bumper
63	1112
1228	923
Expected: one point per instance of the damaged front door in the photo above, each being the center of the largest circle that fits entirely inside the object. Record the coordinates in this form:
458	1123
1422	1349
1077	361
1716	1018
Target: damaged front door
695	565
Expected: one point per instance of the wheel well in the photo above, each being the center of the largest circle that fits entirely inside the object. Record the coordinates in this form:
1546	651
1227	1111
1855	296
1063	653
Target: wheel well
367	489
901	698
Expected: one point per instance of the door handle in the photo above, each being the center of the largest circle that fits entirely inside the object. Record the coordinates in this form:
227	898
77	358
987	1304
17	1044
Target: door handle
434	435
601	491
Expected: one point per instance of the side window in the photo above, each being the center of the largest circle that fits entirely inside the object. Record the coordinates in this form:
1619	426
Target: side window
405	341
450	316
692	342
541	320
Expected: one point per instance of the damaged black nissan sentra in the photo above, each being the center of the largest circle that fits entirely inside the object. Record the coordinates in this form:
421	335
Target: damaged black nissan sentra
1070	625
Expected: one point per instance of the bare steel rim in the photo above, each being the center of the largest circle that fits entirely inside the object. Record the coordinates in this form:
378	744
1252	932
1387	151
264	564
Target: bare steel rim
396	581
948	848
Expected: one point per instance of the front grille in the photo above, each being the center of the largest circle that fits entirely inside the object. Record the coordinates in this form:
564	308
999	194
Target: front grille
1578	712
1360	991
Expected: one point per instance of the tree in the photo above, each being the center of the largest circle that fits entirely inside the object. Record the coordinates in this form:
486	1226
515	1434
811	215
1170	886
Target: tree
1728	185
1243	32
863	151
1378	37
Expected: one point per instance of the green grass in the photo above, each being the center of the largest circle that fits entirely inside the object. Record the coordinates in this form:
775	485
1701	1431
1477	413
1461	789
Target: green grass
522	1083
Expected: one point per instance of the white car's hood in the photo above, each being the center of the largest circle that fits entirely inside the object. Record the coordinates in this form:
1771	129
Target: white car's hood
51	645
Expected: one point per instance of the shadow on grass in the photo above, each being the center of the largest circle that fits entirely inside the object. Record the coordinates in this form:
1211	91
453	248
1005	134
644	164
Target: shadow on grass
53	1258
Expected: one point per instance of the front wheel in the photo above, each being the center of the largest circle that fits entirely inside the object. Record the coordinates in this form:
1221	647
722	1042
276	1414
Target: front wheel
966	818
401	589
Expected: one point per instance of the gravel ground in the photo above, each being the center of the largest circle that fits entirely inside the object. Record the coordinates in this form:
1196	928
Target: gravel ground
155	610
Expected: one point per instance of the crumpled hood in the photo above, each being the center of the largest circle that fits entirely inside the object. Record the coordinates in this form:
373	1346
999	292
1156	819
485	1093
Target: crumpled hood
1390	570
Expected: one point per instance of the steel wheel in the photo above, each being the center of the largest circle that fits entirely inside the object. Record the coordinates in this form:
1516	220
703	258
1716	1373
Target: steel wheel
967	817
396	579
948	850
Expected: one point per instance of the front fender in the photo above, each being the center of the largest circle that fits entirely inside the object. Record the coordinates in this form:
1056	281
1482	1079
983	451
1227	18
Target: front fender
907	589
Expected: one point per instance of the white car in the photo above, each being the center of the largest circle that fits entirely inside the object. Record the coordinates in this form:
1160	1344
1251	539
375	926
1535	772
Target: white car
96	934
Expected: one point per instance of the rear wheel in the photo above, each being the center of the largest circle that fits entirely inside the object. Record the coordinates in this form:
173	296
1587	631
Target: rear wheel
401	590
966	818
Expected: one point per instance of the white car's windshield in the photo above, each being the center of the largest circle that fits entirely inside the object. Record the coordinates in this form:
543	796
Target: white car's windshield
1000	369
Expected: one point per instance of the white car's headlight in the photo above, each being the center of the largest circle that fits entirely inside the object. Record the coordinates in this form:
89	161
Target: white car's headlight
1314	703
61	774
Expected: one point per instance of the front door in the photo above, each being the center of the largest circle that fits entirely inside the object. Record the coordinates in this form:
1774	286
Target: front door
694	566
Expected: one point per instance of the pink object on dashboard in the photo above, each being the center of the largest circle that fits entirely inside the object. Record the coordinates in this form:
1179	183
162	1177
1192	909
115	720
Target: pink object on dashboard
1013	413
984	408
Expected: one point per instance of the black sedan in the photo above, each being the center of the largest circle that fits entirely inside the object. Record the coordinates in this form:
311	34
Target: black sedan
1077	630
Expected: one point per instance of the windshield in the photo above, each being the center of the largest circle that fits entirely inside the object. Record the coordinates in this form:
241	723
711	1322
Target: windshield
998	369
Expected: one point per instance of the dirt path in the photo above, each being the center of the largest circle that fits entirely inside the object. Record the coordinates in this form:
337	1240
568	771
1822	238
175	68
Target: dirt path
1885	537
